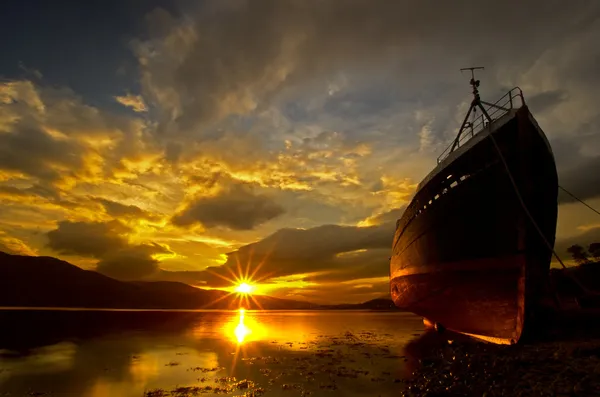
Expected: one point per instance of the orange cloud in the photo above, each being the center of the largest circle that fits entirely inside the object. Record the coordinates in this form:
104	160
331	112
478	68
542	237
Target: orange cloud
325	125
13	245
134	102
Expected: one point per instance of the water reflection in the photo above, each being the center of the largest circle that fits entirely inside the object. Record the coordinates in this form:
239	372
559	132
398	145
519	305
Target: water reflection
125	354
241	330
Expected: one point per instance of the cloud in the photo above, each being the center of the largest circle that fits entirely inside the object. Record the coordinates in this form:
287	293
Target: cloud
135	102
348	251
544	101
13	193
32	152
118	210
356	291
132	262
88	238
390	216
275	45
322	256
359	264
108	242
236	207
322	79
50	136
270	130
15	246
580	181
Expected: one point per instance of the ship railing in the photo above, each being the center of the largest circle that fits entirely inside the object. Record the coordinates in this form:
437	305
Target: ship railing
513	99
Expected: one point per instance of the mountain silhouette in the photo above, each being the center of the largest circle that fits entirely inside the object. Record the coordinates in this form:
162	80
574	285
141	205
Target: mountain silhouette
373	304
43	281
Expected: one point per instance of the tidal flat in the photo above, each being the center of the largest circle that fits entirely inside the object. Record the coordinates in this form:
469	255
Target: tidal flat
250	353
281	353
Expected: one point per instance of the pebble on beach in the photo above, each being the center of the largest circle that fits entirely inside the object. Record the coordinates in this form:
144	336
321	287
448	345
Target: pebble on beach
548	369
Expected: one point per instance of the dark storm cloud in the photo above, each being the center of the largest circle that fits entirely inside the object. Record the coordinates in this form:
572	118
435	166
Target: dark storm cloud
235	56
107	242
236	207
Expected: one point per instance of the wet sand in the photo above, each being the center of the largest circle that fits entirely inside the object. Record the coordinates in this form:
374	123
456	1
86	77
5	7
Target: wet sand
348	364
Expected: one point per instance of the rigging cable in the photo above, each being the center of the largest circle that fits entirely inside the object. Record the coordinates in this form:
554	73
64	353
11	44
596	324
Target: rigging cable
586	290
516	188
581	201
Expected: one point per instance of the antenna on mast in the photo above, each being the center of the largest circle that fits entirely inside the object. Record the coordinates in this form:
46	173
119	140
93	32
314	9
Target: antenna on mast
474	83
476	100
476	103
472	69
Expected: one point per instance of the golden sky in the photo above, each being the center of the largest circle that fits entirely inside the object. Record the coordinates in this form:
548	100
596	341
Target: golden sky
272	139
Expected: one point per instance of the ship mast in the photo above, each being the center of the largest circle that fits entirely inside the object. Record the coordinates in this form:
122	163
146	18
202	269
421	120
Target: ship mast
489	114
475	104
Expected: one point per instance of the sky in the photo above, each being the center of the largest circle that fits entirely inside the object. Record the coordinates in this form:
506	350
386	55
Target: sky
278	140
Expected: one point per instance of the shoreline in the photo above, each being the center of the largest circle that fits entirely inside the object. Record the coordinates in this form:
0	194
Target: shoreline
563	360
142	310
552	368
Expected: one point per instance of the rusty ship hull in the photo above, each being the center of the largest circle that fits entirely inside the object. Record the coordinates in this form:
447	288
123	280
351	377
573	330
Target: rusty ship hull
466	254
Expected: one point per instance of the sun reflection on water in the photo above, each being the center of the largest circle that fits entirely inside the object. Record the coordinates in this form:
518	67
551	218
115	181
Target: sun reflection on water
245	328
241	331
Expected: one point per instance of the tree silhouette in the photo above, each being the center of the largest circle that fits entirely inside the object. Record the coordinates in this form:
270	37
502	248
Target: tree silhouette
594	249
579	254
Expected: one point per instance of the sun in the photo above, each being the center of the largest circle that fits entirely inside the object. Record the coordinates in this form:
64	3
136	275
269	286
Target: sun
244	288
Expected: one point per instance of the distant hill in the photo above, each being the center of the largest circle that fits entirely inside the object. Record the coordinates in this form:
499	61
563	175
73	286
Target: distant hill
374	304
41	281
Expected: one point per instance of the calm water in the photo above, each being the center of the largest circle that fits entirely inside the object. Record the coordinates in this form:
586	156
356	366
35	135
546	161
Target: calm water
250	353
